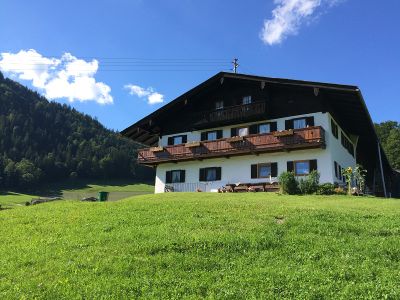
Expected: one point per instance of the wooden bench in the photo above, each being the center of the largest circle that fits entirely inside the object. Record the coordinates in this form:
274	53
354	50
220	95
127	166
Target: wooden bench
253	187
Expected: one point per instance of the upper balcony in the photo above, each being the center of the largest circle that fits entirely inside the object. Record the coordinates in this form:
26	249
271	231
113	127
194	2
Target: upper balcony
230	113
305	138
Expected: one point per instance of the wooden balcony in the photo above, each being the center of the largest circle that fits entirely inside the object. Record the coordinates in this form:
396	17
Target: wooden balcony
305	138
236	112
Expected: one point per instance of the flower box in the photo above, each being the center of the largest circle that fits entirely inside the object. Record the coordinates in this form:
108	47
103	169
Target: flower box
192	144
234	139
157	149
289	132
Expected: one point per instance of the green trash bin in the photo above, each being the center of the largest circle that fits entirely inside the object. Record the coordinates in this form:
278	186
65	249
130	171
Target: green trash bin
103	196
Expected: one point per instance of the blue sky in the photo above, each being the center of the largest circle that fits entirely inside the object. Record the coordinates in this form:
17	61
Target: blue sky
340	41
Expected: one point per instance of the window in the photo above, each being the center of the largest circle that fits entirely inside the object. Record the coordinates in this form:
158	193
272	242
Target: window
335	130
211	135
264	128
243	131
347	144
177	139
302	167
264	170
219	105
299	123
210	174
175	176
336	169
246	100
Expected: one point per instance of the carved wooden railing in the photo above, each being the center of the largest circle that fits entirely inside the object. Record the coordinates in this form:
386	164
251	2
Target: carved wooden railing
236	112
311	137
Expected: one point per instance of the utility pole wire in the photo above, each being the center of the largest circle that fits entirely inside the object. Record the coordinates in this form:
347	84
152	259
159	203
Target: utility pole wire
235	65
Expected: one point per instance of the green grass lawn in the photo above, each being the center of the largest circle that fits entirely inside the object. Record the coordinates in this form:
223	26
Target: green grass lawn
9	199
182	245
78	189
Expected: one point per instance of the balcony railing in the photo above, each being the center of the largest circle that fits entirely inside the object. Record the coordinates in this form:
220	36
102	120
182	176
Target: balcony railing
236	112
305	138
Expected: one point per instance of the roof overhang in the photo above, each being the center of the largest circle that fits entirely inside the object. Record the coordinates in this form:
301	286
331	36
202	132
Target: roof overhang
346	99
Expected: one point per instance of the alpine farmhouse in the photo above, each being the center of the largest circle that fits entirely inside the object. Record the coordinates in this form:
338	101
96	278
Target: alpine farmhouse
235	129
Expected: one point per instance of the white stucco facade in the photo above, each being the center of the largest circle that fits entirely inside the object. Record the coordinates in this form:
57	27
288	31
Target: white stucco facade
236	169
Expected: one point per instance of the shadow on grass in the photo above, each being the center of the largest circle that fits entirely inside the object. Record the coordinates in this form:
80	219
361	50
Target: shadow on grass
8	193
56	189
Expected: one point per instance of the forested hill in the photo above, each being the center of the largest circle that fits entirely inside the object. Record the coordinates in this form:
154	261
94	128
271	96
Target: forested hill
43	141
389	135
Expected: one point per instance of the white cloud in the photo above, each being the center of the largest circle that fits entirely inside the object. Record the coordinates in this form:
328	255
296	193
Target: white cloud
65	77
152	96
288	16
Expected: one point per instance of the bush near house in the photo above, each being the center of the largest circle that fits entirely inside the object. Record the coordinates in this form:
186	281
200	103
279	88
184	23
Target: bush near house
288	183
309	184
326	189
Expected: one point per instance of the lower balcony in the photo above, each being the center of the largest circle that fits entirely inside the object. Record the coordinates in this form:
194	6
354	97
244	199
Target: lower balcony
293	139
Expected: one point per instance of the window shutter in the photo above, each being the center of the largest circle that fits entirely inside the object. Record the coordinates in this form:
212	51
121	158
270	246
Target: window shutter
288	124
310	121
168	177
218	173
253	129
290	166
184	139
336	169
219	134
203	136
313	165
182	176
273	126
170	141
202	174
254	171
233	132
274	169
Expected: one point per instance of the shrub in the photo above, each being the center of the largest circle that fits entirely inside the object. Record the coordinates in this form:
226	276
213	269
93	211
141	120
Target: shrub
326	189
340	191
309	185
359	175
288	183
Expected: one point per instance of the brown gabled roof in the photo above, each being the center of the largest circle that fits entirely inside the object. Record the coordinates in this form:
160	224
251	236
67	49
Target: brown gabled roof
346	99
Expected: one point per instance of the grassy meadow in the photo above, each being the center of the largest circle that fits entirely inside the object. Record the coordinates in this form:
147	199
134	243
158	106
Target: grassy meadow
76	190
202	245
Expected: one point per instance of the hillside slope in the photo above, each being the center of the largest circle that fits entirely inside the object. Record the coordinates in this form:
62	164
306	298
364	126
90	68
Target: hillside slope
198	245
42	141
